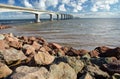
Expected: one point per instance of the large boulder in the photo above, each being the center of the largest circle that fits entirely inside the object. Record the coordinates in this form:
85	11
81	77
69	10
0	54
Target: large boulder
25	72
62	71
4	70
43	58
12	55
74	62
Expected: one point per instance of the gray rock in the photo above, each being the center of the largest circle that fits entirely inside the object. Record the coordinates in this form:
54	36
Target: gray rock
12	55
4	70
62	71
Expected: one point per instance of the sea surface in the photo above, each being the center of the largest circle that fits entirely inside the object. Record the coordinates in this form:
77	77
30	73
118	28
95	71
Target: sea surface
83	33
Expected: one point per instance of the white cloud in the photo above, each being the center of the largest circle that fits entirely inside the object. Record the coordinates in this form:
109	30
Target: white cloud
11	2
102	4
94	8
40	4
62	8
27	4
75	10
65	1
51	3
79	7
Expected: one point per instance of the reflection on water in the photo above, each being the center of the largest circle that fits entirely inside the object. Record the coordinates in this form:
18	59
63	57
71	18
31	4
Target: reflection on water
78	33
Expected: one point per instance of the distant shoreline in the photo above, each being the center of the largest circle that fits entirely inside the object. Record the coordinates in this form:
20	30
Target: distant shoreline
5	27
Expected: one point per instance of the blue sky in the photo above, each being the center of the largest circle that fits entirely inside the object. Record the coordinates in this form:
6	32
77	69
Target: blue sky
81	8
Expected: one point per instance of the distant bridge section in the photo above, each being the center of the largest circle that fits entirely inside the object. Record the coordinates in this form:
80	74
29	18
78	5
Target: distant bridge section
10	8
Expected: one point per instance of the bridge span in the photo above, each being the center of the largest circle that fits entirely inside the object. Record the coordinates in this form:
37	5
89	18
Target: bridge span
10	8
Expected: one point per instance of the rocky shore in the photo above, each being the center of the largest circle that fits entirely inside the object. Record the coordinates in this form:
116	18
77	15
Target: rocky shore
31	57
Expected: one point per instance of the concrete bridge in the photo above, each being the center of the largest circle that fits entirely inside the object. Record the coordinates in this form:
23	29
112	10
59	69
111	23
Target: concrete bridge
10	8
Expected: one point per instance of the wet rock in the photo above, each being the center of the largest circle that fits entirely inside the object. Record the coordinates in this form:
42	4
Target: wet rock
86	76
12	55
108	52
62	71
43	58
113	67
4	70
25	72
96	72
102	60
2	37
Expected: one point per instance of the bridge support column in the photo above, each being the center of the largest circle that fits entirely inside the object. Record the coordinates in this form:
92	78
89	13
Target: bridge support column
62	17
57	17
66	16
51	17
37	17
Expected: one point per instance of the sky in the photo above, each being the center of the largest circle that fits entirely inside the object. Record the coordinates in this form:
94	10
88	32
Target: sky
79	8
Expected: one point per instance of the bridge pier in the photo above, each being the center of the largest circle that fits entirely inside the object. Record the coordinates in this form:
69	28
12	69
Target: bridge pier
57	16
37	17
62	17
51	17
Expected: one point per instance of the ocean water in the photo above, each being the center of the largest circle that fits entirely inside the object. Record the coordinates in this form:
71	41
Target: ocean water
83	33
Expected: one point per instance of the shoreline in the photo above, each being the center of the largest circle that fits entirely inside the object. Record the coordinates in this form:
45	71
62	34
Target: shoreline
29	56
5	27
